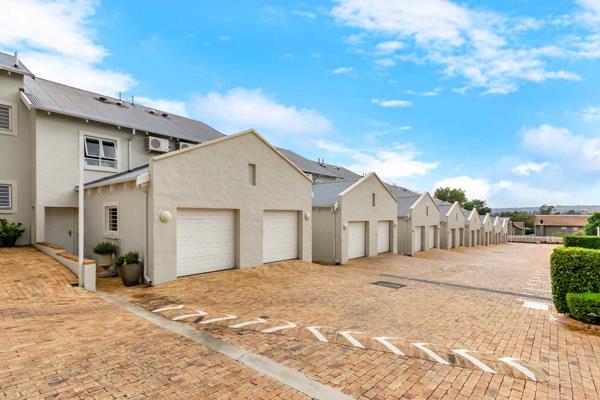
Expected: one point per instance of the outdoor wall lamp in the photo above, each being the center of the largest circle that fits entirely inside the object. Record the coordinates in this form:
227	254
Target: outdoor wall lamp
165	217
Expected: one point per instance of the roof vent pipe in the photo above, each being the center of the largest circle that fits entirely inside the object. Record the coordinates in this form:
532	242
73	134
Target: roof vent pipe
16	59
133	100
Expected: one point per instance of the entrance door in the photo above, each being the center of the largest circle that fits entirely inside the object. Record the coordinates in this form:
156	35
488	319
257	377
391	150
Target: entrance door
61	227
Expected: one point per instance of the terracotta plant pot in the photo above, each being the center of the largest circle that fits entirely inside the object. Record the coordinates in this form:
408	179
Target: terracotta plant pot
130	273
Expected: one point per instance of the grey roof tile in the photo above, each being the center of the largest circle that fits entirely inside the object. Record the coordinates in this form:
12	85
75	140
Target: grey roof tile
315	168
325	194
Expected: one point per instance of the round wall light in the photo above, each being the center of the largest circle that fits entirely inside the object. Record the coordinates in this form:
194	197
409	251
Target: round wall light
165	217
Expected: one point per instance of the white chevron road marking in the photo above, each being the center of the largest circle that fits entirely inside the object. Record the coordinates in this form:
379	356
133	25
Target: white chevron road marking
513	363
465	354
198	313
280	328
351	339
315	331
248	323
384	341
212	320
430	353
179	307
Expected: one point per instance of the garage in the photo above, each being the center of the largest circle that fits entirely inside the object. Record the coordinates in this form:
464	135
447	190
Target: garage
383	236
280	236
205	241
418	244
356	239
431	241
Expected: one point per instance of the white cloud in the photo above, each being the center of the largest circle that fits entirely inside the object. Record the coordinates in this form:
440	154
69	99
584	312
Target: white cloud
560	143
473	44
398	161
392	103
591	114
225	38
385	62
57	42
305	14
475	188
342	70
241	108
171	106
428	93
388	47
526	169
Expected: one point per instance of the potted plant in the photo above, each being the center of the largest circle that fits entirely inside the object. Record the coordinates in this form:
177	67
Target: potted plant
130	268
10	232
106	250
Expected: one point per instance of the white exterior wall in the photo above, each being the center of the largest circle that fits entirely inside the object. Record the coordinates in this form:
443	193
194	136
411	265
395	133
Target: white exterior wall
486	230
215	176
131	203
423	213
324	228
473	225
455	220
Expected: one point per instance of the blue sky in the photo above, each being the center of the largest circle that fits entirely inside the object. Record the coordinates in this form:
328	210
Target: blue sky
500	98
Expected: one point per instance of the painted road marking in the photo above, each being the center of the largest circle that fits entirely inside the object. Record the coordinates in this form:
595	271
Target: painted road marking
384	341
210	321
513	363
351	339
280	328
430	353
198	313
535	305
179	307
315	331
465	353
253	322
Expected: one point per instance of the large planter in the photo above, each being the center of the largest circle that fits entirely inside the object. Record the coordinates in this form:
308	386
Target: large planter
105	260
130	273
8	241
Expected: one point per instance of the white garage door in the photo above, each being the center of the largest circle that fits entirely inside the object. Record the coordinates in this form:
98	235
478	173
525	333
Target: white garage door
418	246
356	239
452	238
383	236
205	240
431	243
280	235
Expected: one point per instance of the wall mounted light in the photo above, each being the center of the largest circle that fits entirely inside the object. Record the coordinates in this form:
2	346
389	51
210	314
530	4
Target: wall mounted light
165	217
307	215
345	226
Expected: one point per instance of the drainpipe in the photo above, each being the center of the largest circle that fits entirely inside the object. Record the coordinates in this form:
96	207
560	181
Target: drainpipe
129	155
335	226
142	184
80	213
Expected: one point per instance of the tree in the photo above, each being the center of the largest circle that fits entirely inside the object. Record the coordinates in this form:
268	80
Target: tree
546	209
450	195
480	205
591	228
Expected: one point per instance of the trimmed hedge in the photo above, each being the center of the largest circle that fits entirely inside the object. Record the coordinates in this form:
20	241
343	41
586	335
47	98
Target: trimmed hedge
584	307
573	270
588	242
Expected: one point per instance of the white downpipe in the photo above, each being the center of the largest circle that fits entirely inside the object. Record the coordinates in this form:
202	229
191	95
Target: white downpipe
80	212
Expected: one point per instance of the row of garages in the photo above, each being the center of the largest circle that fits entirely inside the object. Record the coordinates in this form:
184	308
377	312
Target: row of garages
238	202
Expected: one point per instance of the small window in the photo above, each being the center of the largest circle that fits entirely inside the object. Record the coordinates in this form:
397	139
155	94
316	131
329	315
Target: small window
100	152
5	196
373	199
427	210
112	219
5	117
252	174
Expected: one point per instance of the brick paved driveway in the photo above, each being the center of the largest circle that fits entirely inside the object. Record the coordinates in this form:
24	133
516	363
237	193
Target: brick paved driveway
433	311
57	341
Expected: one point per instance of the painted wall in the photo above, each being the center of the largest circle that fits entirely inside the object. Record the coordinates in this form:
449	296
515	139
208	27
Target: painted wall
486	230
16	155
455	220
324	228
473	225
426	214
216	176
131	203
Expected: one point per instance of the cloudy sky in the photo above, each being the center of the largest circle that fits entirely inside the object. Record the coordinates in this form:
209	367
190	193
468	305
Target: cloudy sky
501	98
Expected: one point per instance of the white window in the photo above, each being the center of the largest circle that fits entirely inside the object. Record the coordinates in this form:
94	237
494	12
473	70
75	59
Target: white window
111	220
5	196
5	117
100	152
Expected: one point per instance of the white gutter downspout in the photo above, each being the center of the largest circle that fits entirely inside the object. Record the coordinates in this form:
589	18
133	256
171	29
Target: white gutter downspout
142	183
80	212
335	226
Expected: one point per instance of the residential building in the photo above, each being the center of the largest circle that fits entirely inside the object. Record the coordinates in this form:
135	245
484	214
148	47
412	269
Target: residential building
547	225
473	232
516	228
452	225
487	228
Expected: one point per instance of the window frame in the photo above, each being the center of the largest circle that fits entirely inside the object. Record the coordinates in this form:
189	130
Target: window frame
13	190
12	121
108	233
84	135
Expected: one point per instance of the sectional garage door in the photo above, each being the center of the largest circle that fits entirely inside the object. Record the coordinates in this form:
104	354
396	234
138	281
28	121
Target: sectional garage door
383	236
205	240
280	235
356	239
418	239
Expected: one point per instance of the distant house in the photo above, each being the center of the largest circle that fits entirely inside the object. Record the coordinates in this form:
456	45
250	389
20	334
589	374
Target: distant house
546	225
516	228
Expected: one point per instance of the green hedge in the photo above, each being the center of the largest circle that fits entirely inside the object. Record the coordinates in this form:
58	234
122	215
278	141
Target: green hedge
584	307
573	270
588	242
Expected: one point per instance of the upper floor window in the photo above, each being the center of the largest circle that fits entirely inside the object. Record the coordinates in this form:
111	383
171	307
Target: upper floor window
252	174
100	152
5	117
5	196
373	199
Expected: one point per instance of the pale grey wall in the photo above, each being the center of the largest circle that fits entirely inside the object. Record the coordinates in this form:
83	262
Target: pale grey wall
323	231
486	230
16	154
424	213
473	225
356	205
455	220
132	212
216	176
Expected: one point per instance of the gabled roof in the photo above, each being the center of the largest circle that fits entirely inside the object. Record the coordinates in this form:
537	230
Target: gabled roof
325	194
446	208
562	220
119	177
316	168
406	198
7	63
62	99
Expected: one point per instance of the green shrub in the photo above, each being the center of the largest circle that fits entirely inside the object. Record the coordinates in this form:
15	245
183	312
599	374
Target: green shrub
591	228
584	307
588	242
573	270
130	258
10	229
106	248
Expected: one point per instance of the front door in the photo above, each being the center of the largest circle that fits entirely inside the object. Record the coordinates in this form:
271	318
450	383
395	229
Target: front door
61	227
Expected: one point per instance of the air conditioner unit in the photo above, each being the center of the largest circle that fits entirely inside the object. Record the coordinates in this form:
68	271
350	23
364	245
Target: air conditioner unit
183	145
158	145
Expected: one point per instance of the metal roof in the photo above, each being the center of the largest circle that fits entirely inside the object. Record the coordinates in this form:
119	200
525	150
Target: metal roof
62	99
444	207
119	177
7	63
325	194
406	198
316	168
